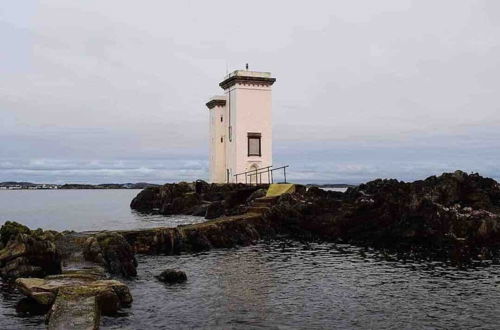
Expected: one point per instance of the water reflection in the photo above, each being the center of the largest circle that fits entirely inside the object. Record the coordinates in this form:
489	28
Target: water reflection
292	285
287	284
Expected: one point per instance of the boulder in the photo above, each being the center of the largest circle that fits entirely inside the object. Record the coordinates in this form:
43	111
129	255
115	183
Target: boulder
172	276
111	250
147	200
27	252
256	194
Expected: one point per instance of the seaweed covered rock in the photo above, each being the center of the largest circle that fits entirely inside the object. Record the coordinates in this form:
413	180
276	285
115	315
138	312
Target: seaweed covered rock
28	252
172	276
113	251
10	229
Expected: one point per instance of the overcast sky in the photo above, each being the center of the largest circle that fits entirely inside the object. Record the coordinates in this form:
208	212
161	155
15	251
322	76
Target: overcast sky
114	91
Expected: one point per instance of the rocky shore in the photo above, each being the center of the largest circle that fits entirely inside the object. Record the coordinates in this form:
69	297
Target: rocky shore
453	217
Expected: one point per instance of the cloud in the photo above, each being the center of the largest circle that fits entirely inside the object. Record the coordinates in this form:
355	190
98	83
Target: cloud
98	91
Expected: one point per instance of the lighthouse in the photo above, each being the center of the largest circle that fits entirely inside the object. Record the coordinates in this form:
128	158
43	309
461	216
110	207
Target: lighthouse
240	127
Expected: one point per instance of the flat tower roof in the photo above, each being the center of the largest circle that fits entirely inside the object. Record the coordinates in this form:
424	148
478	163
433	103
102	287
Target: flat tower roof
245	75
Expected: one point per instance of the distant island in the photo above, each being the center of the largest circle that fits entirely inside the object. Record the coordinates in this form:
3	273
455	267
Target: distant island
331	185
12	185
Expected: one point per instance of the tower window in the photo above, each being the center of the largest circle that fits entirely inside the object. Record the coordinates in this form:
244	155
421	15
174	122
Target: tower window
221	119
254	144
221	139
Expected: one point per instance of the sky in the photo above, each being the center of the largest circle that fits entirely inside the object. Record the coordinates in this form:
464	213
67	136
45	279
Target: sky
115	91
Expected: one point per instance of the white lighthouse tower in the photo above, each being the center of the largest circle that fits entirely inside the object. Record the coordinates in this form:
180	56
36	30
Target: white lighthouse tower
241	126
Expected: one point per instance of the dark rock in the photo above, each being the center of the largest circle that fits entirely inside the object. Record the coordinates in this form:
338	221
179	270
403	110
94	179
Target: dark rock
30	307
147	200
201	187
256	194
192	198
214	210
181	205
238	197
172	276
200	210
113	251
455	215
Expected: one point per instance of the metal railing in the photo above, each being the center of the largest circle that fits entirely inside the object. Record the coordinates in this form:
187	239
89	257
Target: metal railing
269	170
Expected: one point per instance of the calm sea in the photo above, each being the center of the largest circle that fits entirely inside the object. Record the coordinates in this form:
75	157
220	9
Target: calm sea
271	285
80	210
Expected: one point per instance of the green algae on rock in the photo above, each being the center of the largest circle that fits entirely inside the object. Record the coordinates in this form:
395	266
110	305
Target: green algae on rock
28	252
113	251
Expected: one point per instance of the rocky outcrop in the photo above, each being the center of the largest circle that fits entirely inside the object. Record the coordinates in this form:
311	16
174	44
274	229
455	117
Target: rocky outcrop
27	252
172	276
111	250
455	215
77	299
198	198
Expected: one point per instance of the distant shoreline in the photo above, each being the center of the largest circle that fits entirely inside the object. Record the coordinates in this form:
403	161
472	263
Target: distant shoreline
72	186
14	185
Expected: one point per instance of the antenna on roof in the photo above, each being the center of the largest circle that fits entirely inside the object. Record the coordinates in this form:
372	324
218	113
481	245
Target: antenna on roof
247	66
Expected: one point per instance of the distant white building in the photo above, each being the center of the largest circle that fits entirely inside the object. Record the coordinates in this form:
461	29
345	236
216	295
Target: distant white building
241	127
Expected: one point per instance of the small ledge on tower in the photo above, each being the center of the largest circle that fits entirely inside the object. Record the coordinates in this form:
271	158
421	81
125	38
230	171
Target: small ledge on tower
218	100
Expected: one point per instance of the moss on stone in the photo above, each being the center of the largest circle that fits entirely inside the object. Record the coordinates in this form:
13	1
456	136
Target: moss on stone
11	229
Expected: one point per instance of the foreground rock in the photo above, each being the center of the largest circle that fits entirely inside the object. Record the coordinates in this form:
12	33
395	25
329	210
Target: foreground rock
198	198
172	276
77	298
28	252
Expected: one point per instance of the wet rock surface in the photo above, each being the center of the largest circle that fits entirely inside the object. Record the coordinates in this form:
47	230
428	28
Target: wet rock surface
172	276
197	198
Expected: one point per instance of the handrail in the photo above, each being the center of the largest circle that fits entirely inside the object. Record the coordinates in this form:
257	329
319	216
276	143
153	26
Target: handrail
258	174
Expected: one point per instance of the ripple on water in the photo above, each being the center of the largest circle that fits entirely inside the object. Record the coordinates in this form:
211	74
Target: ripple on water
292	285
